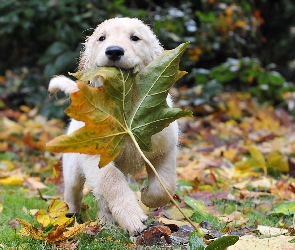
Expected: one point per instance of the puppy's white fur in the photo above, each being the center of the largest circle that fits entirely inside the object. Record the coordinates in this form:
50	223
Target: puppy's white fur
117	202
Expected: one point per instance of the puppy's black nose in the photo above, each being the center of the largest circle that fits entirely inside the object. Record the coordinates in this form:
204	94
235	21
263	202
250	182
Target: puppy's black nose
114	53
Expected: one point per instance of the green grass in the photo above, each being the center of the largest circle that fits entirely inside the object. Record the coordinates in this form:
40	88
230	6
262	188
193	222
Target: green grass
250	209
255	209
17	203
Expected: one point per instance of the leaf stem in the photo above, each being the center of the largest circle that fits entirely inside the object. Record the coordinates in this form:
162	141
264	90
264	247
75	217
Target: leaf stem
199	231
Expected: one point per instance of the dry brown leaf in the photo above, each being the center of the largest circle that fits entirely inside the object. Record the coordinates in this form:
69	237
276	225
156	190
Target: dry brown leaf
34	183
57	234
152	234
68	245
271	231
175	222
236	217
241	185
14	224
264	182
283	189
193	170
92	228
244	194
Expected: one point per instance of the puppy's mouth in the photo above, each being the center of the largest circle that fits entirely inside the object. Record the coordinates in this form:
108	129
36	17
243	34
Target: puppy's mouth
135	69
98	81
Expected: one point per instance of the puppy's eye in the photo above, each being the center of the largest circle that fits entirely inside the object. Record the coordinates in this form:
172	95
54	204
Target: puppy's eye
134	38
102	38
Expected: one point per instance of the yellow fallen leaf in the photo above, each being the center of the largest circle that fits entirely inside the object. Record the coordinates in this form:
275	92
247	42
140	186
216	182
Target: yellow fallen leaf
174	213
234	110
24	108
245	174
57	212
11	126
258	156
43	218
277	161
1	207
13	180
60	232
265	121
72	231
241	23
55	215
230	154
30	231
176	222
57	207
6	165
143	207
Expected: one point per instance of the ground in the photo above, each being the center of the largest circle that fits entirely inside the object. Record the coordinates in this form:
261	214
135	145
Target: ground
235	177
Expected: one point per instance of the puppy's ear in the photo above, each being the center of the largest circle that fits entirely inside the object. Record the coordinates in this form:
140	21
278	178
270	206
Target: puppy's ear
83	58
157	48
87	50
155	45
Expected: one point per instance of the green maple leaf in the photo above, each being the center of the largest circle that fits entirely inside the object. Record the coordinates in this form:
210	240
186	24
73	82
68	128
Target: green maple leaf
126	105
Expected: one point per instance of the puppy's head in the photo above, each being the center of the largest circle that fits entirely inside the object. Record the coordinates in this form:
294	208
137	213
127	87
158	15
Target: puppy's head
125	43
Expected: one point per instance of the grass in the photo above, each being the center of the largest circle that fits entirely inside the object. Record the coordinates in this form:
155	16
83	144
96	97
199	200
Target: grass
248	209
17	203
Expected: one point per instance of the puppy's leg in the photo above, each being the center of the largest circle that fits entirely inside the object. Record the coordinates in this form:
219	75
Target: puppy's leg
154	195
73	181
165	147
110	183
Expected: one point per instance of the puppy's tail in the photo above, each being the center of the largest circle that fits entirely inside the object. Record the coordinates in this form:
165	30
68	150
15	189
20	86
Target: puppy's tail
62	83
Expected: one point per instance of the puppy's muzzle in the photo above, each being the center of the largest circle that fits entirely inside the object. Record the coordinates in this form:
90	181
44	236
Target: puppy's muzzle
114	53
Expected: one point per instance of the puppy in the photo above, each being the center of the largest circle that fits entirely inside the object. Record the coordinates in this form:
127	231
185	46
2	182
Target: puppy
128	44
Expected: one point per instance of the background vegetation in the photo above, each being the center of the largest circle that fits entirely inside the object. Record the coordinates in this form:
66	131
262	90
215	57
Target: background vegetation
235	45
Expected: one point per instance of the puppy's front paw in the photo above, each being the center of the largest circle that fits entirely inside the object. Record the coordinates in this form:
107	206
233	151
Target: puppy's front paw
131	219
62	83
135	227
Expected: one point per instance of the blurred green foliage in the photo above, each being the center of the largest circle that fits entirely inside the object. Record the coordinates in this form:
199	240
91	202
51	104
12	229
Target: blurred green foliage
241	45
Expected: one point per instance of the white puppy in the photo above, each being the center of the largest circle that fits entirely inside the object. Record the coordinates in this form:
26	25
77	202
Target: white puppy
129	44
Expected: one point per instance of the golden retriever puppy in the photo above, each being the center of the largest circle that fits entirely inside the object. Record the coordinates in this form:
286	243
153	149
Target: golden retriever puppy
125	43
